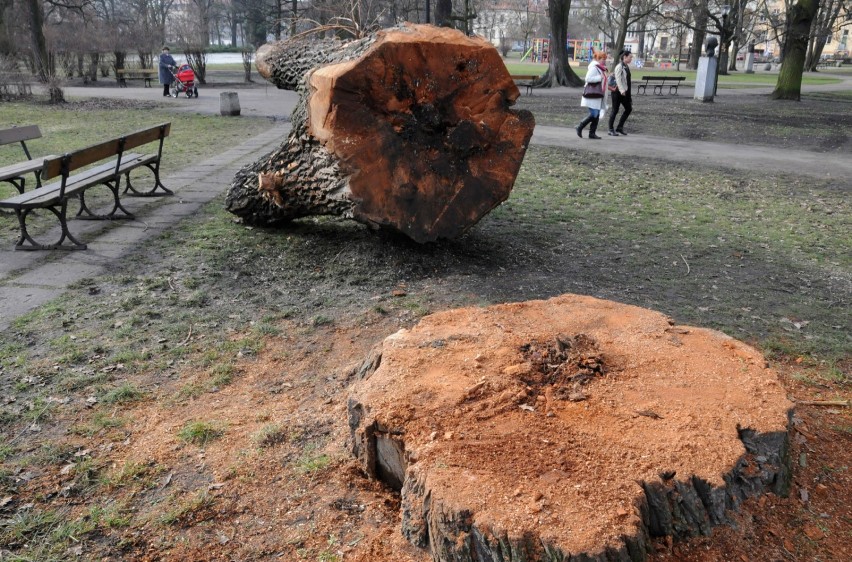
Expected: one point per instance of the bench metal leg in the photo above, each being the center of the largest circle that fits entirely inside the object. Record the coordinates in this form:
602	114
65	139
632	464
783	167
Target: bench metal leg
673	90
642	89
86	214
27	243
660	87
18	182
133	192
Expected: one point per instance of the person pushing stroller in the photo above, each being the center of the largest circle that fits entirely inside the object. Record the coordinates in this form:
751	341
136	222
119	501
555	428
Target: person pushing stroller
165	70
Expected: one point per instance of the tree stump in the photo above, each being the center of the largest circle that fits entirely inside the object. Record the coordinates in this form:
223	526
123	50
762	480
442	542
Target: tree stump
569	428
410	129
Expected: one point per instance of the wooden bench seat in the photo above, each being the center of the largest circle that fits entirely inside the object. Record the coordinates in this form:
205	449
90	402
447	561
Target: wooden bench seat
658	82
125	74
16	173
111	163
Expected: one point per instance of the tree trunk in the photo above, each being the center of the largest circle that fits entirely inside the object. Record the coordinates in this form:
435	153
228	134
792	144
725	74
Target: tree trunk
474	415
443	13
799	19
559	72
408	128
39	43
698	36
623	23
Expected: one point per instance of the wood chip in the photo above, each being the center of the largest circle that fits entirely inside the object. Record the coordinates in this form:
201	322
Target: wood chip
813	532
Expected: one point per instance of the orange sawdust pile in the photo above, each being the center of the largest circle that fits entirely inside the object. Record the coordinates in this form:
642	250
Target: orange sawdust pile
567	426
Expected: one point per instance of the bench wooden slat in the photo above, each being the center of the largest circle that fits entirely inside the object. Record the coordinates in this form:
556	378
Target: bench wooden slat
25	167
49	194
18	134
145	136
78	159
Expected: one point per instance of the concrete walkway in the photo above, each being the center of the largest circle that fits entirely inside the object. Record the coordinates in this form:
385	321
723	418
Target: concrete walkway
30	279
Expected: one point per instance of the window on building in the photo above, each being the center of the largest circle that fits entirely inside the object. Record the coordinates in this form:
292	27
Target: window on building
664	43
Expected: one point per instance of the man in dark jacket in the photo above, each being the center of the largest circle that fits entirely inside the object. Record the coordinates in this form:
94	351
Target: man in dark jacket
166	76
621	95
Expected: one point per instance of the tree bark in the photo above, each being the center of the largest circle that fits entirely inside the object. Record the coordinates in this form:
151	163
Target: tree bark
559	72
408	128
623	23
799	20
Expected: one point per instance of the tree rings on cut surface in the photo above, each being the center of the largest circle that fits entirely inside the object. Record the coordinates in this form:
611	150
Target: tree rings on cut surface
572	427
409	129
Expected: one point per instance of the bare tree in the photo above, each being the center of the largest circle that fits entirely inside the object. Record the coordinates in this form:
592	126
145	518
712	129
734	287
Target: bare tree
825	24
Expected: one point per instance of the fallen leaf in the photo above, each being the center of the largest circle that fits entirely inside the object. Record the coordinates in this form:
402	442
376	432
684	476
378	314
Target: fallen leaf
5	501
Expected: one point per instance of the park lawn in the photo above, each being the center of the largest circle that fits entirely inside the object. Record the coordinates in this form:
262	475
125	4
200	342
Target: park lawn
230	66
79	124
167	349
734	80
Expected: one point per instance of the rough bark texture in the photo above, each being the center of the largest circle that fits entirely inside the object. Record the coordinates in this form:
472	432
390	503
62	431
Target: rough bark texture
799	19
408	129
572	428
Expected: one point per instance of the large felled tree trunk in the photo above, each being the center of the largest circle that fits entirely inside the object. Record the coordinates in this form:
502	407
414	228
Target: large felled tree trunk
409	129
799	19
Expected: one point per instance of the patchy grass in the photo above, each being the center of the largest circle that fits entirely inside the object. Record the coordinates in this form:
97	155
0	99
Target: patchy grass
760	256
201	433
270	435
733	118
124	394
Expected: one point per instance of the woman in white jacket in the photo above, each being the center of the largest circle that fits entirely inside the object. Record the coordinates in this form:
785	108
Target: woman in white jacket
595	74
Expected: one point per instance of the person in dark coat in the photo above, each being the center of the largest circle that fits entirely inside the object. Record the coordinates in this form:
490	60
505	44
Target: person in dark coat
621	95
166	77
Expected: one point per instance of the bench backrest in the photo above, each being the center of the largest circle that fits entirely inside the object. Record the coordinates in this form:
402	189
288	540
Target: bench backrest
67	163
663	78
20	134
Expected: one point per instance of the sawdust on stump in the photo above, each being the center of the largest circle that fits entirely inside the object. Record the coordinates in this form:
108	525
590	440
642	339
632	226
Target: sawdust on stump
572	427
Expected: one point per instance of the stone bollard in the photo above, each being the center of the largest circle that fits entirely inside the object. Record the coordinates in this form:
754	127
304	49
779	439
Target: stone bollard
229	103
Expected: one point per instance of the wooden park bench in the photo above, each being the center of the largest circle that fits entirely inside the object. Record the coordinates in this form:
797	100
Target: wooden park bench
125	74
830	63
112	161
526	80
15	84
16	173
658	82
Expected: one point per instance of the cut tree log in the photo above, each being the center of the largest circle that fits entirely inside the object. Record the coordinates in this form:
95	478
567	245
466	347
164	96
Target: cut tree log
572	428
409	128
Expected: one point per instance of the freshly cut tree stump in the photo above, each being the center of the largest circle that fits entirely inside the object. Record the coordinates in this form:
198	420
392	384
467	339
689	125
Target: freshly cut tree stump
408	129
569	428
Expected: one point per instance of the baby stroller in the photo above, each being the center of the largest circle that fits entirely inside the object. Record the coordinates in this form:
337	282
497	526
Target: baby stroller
184	81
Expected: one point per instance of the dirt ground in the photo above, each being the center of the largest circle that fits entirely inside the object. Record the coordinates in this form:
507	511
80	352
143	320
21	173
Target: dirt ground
192	405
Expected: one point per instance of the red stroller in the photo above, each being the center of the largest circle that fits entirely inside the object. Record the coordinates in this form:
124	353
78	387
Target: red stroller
184	81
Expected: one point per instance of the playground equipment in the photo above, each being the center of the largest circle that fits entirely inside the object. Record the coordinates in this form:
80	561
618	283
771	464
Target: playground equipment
578	49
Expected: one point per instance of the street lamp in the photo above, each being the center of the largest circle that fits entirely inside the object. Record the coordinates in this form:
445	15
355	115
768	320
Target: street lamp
726	9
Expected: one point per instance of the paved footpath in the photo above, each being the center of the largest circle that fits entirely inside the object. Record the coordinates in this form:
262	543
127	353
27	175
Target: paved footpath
30	279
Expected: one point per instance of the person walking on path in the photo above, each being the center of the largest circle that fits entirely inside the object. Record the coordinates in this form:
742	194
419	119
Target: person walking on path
621	95
595	80
166	76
